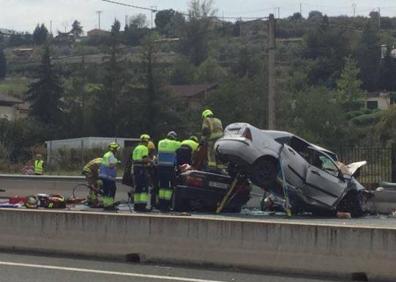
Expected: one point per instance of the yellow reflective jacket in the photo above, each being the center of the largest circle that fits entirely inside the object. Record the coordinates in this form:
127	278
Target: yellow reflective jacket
212	128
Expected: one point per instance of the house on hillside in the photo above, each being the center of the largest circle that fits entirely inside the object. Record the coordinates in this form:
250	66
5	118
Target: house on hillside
379	100
12	108
194	95
7	32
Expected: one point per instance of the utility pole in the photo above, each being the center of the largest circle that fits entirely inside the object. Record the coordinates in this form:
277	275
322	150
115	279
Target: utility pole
277	11
126	20
379	18
301	9
153	10
354	9
271	73
99	13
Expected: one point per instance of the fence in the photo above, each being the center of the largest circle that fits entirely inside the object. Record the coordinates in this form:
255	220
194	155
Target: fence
380	163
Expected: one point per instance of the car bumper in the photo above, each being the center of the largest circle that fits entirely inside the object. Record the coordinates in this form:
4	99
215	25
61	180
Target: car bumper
237	151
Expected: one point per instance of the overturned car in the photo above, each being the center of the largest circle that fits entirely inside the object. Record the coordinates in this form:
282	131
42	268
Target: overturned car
202	191
308	176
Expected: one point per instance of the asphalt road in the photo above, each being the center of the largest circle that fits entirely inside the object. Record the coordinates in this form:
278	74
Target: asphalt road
26	268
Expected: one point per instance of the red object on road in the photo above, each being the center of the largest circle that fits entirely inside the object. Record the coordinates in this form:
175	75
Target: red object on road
17	199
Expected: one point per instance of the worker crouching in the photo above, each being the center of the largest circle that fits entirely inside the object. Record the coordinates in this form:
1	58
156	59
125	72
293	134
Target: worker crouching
91	173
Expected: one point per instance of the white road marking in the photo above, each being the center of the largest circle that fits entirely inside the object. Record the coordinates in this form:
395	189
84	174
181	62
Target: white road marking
159	277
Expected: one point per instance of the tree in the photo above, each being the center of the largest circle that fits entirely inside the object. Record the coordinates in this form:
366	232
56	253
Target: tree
349	92
387	73
138	21
3	65
169	22
210	71
107	116
77	29
40	34
326	48
368	56
45	93
315	16
161	111
195	42
317	117
244	101
115	28
386	127
296	17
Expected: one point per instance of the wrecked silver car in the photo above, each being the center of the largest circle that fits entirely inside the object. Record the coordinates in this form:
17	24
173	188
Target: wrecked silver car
308	176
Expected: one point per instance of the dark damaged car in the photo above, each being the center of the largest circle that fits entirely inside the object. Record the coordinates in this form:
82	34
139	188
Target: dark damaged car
274	160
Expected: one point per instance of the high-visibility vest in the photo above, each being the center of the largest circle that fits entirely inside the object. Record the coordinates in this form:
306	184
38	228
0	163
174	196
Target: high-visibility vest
214	126
167	152
139	154
38	166
190	143
92	165
105	170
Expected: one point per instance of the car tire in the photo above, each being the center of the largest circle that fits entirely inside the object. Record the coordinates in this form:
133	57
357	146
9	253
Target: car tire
354	203
263	172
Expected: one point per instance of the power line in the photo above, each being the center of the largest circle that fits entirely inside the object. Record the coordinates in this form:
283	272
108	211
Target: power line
131	6
183	13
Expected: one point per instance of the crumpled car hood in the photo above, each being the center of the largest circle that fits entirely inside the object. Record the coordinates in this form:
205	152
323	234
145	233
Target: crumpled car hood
352	168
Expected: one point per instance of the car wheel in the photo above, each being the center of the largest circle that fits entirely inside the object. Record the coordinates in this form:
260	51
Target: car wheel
354	202
263	172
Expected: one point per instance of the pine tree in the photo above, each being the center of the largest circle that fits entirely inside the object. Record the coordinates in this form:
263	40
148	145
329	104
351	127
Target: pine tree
45	93
108	97
40	34
3	65
77	29
349	92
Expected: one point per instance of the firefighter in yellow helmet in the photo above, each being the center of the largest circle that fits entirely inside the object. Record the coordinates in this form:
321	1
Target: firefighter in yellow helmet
141	161
167	148
91	173
212	130
184	154
108	174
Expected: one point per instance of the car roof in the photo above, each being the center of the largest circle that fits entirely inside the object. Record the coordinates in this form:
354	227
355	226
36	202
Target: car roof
279	134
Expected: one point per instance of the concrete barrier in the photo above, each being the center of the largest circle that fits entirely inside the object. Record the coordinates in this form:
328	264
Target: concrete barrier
384	201
331	250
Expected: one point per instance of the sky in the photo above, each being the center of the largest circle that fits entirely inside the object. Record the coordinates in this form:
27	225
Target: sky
24	15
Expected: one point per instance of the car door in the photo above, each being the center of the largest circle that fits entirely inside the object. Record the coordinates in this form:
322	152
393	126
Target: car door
323	182
294	166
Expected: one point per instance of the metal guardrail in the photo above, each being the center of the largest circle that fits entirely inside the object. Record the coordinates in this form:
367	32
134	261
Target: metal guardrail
45	177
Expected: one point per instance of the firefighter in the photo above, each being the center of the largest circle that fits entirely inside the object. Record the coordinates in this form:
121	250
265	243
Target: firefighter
108	173
184	154
91	173
141	161
39	165
166	169
212	130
